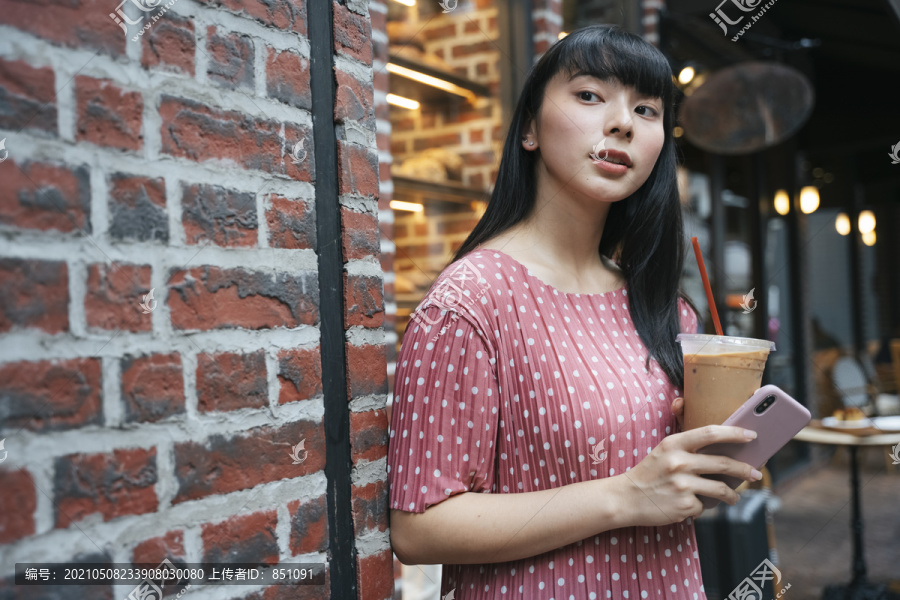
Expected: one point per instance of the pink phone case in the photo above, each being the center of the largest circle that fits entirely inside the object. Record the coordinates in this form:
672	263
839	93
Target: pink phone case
775	426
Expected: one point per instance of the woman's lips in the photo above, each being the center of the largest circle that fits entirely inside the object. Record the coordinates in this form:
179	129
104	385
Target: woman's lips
610	167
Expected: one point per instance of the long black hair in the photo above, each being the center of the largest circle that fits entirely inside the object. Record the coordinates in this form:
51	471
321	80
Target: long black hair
644	232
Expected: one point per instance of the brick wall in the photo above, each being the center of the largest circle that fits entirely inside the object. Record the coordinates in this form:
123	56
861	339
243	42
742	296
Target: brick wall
165	164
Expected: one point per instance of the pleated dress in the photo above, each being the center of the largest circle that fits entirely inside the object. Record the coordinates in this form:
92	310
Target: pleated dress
506	385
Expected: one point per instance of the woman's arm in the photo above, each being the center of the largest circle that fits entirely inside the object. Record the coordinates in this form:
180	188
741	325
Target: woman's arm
661	489
478	528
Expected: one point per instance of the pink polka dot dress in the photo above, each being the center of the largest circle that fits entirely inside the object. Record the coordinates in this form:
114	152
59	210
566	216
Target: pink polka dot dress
506	385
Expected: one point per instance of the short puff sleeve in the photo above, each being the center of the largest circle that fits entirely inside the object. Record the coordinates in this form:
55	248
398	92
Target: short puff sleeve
445	412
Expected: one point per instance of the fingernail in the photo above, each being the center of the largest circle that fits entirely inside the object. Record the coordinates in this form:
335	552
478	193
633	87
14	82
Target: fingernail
756	475
751	435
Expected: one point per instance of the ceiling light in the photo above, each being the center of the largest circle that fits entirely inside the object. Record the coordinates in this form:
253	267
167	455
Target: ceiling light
866	222
686	75
782	202
809	199
869	238
842	224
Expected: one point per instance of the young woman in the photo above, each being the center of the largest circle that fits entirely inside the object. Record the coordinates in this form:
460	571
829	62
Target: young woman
535	445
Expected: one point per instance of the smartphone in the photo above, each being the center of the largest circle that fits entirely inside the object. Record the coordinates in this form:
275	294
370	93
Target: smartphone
774	416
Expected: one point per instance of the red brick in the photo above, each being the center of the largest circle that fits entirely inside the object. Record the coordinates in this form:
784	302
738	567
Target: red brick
363	301
227	463
229	381
108	115
242	538
291	223
170	545
368	435
440	32
152	387
358	170
366	370
230	58
27	96
114	295
42	196
200	133
115	484
352	34
213	213
51	395
309	526
375	575
137	208
355	100
34	293
285	15
360	234
300	375
18	501
83	24
287	78
211	298
170	44
370	507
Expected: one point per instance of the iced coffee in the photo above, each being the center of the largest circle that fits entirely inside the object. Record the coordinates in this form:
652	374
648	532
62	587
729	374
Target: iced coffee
720	374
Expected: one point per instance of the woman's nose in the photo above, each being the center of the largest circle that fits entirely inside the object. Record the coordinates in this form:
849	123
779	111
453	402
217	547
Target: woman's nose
618	120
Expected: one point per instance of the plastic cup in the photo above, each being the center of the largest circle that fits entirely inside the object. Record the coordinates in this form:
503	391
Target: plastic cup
720	373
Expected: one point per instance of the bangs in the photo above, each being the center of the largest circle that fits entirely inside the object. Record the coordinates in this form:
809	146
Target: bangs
607	53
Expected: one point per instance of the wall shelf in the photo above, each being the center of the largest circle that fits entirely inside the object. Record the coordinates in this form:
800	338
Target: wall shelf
422	191
422	92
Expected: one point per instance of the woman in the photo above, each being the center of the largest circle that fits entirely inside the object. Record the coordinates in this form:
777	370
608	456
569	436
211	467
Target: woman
535	447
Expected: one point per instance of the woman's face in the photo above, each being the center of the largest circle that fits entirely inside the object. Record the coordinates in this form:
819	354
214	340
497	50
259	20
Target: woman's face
580	115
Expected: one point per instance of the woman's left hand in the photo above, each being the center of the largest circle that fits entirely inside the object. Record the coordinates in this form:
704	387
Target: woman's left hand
678	411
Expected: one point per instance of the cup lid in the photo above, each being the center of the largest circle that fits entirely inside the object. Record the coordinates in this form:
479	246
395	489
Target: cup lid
718	342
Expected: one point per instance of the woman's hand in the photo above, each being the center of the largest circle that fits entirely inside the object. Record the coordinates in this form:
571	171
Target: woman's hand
663	487
678	411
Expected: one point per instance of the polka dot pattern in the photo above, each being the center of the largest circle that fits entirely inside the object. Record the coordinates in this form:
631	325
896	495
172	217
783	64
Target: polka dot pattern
539	379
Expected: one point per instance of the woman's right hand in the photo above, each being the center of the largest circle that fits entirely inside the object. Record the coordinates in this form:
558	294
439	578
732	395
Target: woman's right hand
663	487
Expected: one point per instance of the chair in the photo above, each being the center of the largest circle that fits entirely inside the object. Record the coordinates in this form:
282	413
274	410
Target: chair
854	390
852	386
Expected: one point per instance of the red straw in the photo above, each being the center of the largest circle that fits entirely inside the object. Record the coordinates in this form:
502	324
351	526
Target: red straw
709	295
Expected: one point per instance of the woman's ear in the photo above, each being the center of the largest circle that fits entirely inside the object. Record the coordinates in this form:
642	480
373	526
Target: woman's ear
529	138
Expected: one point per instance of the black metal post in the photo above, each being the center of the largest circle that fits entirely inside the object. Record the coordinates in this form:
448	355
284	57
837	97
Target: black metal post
342	565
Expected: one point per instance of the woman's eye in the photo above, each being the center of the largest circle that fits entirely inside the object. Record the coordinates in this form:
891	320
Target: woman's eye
652	111
586	96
